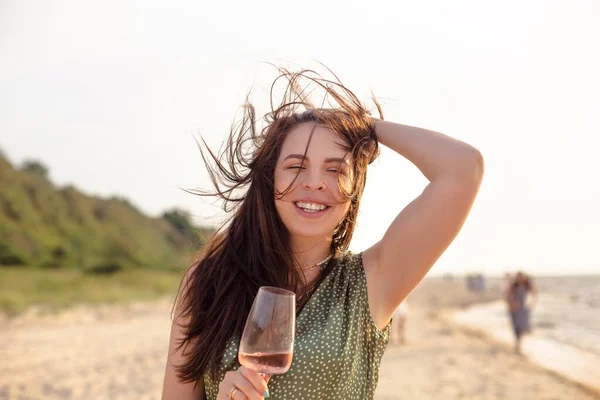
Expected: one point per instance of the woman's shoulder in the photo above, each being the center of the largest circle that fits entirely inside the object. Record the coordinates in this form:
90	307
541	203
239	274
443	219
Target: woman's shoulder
349	260
348	268
348	256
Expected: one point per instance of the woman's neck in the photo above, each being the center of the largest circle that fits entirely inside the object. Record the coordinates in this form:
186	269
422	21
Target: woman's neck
310	251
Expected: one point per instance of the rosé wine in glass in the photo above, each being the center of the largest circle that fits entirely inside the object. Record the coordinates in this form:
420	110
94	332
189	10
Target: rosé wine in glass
267	344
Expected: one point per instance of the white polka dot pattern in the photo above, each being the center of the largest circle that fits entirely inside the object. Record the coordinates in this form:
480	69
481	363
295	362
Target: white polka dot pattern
338	347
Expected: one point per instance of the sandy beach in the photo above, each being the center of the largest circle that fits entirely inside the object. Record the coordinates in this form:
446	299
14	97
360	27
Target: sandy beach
444	362
118	352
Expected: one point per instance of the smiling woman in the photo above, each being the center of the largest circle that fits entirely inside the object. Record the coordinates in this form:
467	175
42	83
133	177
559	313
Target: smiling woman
310	175
301	180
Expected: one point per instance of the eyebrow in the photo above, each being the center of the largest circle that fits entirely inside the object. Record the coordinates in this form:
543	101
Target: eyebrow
327	160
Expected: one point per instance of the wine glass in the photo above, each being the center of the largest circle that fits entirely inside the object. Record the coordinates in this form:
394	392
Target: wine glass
267	344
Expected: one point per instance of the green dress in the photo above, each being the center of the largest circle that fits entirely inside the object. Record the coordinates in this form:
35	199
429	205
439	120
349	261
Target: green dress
337	348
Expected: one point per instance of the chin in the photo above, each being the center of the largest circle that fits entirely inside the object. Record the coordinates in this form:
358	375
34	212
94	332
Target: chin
312	229
310	233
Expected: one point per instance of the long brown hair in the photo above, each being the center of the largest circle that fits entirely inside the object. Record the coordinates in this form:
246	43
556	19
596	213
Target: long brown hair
253	249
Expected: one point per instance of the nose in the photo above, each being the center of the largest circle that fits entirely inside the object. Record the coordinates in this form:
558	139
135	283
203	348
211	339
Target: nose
312	179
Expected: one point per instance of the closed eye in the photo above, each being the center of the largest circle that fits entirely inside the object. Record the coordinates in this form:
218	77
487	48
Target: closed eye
337	171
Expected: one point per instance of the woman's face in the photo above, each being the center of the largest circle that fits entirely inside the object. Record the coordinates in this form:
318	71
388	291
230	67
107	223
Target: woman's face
314	204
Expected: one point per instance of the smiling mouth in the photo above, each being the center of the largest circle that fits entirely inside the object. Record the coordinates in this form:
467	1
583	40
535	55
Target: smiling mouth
310	207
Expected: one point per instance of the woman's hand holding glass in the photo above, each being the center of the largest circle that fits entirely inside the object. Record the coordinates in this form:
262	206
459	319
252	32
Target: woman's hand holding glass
243	384
267	344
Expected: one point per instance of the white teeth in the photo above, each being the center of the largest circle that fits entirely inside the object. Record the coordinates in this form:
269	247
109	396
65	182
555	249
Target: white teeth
311	207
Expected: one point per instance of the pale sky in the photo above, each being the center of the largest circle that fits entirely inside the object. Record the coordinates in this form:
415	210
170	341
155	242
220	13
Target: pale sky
110	95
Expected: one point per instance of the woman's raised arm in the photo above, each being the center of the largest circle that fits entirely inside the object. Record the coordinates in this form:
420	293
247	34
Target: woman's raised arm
425	228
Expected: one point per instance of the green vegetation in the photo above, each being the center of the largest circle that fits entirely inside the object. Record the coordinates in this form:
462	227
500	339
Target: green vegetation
63	246
60	288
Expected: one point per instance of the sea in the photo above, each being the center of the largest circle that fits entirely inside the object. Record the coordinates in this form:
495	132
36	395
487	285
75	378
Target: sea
565	321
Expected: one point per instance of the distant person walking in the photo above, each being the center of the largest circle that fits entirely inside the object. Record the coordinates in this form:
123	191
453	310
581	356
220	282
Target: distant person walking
398	335
520	297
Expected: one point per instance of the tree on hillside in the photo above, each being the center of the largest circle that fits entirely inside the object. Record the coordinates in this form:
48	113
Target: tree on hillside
9	256
35	167
180	220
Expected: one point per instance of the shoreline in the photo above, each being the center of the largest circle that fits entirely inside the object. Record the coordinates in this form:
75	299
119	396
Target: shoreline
445	360
567	361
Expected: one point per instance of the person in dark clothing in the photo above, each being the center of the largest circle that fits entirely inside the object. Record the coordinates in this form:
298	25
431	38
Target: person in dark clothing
521	296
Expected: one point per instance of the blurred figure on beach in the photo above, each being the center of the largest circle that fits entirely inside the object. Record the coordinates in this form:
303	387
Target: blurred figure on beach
398	334
521	296
507	284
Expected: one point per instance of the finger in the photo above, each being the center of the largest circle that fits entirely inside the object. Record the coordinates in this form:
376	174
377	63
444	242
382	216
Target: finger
245	387
238	395
266	377
228	384
225	394
257	380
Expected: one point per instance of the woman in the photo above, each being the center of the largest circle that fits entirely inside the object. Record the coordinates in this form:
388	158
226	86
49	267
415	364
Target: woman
296	187
519	306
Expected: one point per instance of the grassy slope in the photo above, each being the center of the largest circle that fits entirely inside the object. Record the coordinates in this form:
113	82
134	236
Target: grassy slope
45	226
55	234
61	288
